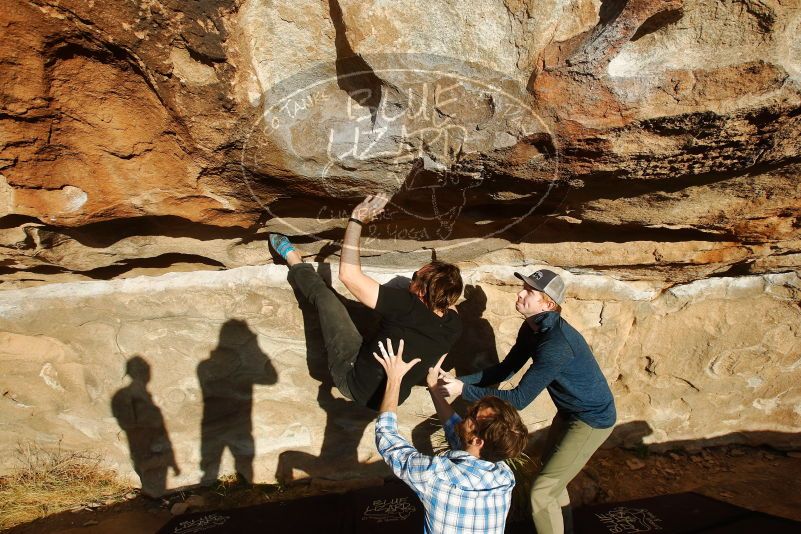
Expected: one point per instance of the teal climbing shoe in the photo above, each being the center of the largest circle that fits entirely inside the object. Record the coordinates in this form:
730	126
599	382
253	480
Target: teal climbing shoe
281	244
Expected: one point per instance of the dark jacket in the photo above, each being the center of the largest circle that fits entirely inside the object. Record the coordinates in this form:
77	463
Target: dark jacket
562	362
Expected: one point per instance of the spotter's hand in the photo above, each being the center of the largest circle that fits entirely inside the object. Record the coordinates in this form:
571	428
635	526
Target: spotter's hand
393	363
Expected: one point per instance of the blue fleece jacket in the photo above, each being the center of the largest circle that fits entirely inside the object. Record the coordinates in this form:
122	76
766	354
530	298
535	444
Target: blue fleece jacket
561	361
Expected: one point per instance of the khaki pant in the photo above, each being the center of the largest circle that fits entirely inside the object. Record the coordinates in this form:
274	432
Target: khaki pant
569	446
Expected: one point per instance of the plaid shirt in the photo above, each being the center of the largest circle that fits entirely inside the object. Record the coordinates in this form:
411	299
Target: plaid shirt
460	493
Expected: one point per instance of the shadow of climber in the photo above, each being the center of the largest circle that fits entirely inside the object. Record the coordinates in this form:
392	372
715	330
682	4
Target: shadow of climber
475	349
141	419
226	380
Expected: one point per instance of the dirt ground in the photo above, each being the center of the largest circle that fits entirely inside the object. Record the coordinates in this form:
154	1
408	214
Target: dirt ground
755	478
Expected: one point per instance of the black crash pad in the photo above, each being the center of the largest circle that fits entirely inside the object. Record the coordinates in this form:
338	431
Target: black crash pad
679	513
389	509
394	509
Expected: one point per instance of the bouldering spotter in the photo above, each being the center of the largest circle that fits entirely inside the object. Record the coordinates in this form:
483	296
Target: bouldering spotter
467	489
563	362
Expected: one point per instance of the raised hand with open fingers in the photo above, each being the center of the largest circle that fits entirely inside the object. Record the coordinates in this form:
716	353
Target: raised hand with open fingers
370	207
393	363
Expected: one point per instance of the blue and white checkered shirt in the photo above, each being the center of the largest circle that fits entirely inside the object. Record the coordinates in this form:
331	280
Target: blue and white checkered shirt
460	493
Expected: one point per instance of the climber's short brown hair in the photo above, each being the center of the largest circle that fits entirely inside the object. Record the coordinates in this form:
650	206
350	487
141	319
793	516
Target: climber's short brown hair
498	424
438	284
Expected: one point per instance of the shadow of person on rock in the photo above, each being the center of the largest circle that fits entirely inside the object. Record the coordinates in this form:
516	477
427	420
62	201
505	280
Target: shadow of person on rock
474	350
143	424
226	380
345	420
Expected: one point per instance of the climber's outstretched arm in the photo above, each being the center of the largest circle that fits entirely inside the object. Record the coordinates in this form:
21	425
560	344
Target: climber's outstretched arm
364	288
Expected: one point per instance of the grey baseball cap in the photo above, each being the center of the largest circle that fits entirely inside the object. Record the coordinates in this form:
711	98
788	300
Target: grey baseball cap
548	282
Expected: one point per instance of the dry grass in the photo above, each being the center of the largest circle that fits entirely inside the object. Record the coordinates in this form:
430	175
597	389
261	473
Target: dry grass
52	481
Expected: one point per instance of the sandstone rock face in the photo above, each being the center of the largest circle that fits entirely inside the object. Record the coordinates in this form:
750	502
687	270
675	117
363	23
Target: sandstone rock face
581	122
650	148
231	362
